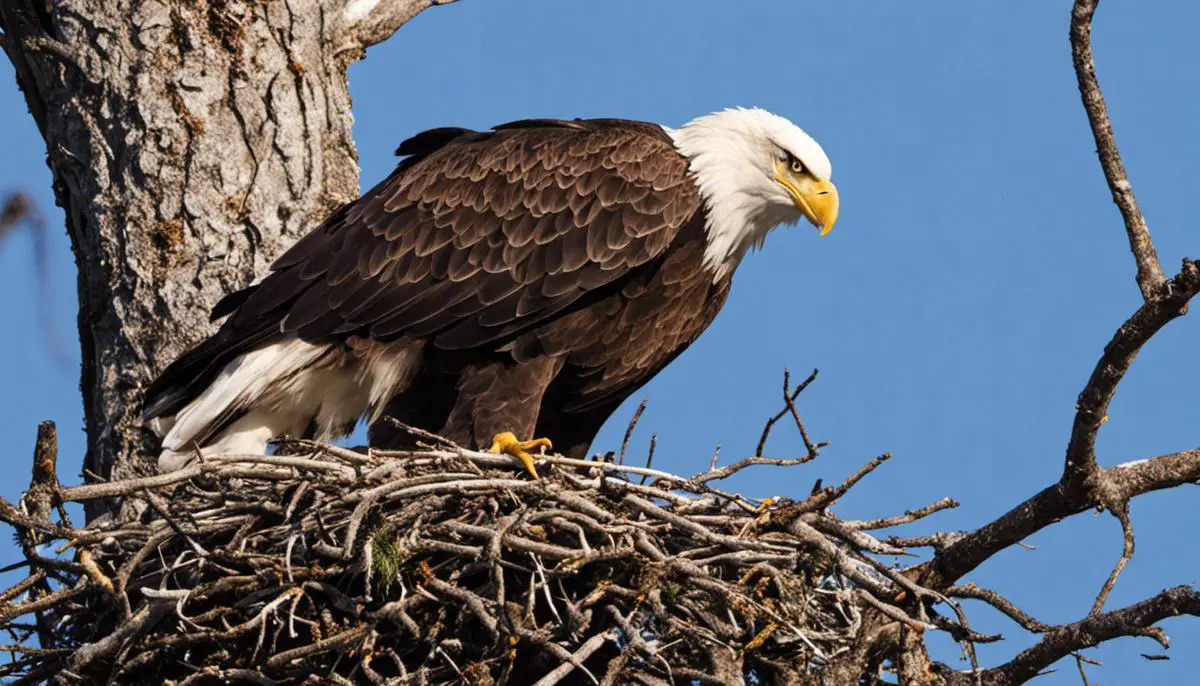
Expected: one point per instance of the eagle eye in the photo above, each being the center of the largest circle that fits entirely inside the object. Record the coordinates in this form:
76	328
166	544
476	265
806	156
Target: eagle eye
796	165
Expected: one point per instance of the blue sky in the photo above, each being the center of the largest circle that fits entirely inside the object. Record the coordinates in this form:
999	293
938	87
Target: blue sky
975	275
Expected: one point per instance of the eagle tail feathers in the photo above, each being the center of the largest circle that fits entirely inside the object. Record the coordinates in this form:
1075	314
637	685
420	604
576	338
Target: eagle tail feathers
259	377
291	387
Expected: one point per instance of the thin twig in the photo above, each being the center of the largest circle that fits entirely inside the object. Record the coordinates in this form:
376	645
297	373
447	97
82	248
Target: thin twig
1000	603
637	414
650	455
1121	512
789	398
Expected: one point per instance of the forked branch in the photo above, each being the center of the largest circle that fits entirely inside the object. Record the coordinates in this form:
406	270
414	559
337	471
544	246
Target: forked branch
364	23
1084	484
1135	620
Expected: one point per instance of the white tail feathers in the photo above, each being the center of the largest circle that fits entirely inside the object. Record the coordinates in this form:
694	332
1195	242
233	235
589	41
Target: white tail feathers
286	388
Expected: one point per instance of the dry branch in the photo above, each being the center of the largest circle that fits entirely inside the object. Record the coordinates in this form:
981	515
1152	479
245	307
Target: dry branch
1135	620
1084	484
1149	272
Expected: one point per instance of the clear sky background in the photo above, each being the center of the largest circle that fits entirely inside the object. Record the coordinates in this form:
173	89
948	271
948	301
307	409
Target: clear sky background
956	311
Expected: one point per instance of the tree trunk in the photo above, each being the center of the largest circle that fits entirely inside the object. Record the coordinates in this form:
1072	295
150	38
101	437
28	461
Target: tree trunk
190	142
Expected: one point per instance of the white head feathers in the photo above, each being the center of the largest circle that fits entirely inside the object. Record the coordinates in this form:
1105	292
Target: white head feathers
733	155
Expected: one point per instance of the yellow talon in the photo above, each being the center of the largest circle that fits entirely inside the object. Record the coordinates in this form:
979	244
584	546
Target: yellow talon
506	443
764	507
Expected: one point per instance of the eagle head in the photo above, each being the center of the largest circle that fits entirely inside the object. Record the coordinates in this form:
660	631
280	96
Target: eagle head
756	170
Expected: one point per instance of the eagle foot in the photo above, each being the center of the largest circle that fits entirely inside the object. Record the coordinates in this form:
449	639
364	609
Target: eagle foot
506	443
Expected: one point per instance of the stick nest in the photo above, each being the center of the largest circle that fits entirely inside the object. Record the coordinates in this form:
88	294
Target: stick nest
439	566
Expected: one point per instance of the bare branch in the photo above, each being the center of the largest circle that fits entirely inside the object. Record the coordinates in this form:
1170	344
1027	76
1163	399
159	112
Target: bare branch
1149	272
650	455
1121	512
637	414
729	470
1135	620
147	617
1079	660
938	541
906	518
789	400
1092	406
583	653
1084	484
1053	504
367	22
827	496
1000	603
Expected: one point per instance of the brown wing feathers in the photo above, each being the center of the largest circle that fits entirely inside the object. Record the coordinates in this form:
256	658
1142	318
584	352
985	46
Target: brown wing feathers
472	239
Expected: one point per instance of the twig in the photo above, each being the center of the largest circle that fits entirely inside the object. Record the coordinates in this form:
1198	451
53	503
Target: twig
637	414
893	612
1121	512
827	496
1002	604
1062	641
729	470
579	657
1079	659
650	455
906	518
790	402
967	551
143	620
789	398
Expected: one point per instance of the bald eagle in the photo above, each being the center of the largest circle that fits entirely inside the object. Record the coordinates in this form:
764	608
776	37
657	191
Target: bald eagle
497	286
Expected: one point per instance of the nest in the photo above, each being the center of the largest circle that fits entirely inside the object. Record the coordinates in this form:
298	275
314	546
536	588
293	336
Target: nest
440	566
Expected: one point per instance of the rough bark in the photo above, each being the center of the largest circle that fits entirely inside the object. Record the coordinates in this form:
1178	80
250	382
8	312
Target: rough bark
189	141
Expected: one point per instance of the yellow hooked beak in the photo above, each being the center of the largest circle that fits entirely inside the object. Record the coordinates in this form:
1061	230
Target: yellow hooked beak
816	199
